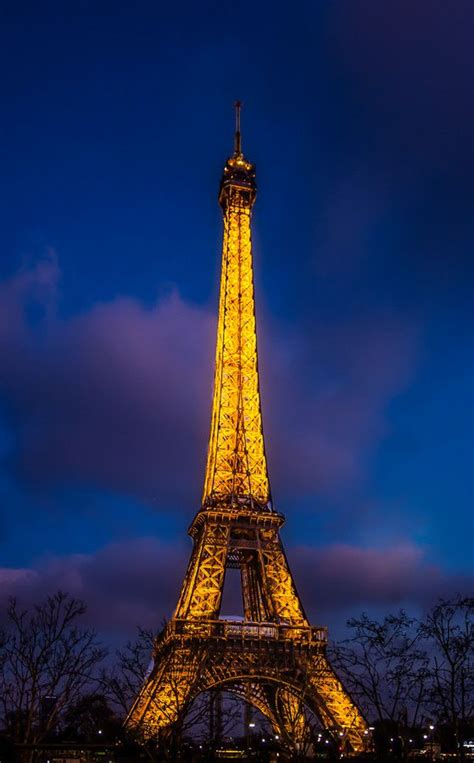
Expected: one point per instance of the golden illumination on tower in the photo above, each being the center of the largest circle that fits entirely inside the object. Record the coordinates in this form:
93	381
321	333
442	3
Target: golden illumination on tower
272	657
236	472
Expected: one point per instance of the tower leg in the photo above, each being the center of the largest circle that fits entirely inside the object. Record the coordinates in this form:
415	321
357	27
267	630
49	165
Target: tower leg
291	711
279	587
215	716
167	693
334	706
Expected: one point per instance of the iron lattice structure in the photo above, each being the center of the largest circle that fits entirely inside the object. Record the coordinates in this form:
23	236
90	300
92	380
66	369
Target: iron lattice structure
273	658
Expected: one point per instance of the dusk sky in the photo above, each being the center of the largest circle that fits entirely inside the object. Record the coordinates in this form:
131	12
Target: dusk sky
116	121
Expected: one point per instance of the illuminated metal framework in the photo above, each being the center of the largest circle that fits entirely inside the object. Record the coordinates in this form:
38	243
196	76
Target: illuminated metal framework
274	657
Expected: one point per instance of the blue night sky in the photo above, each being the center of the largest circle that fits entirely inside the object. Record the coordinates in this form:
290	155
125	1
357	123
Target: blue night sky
116	121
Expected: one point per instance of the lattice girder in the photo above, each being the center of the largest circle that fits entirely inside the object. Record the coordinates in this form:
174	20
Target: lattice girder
236	462
278	580
269	592
283	652
202	589
168	691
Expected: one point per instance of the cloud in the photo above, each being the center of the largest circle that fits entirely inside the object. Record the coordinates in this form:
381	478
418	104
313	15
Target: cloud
118	396
332	401
115	397
137	582
124	584
348	577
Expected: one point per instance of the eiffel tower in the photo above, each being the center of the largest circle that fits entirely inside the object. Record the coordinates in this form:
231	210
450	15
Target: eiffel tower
272	658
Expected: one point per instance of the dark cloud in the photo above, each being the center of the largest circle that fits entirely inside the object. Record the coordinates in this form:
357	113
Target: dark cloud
137	582
125	585
351	578
411	67
329	415
405	78
114	397
119	396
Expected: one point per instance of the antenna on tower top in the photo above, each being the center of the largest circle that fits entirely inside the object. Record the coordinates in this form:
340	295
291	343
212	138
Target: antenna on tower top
237	143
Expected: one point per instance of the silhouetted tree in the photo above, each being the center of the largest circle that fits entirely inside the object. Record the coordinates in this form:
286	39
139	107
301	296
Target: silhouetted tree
132	665
386	670
46	661
449	630
91	719
384	667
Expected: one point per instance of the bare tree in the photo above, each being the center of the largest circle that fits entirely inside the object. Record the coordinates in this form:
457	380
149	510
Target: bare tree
384	667
90	718
123	681
214	715
46	661
449	630
132	666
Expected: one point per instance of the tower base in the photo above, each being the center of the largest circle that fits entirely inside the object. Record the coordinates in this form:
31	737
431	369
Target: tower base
279	669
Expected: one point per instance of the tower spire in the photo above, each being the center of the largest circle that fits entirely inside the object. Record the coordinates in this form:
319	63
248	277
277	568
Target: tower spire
237	139
236	471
